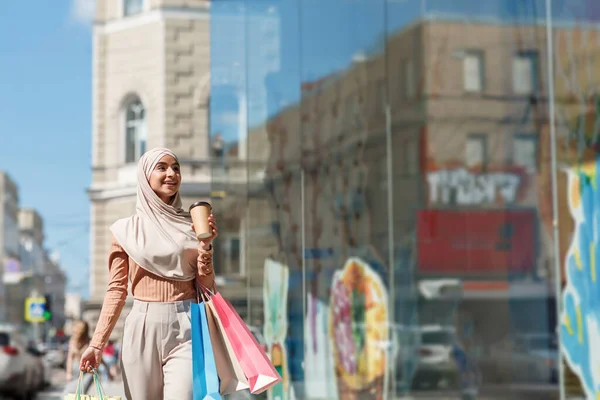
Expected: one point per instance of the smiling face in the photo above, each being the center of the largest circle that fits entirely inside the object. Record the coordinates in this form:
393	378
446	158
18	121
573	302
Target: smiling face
166	178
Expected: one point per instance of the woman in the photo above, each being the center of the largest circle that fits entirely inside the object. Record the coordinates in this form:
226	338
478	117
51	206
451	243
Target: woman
157	250
80	339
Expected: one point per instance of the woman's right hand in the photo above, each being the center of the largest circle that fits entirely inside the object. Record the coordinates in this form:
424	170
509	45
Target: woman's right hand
90	359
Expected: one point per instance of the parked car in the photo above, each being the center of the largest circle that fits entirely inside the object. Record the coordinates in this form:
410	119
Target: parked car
436	367
56	355
43	367
21	371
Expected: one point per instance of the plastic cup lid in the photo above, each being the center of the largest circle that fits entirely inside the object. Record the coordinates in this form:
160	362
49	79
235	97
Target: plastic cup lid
200	203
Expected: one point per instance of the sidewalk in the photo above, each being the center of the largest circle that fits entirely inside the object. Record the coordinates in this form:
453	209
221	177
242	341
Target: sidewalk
114	388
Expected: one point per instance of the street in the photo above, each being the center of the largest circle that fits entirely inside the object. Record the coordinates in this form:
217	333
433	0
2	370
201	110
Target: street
513	392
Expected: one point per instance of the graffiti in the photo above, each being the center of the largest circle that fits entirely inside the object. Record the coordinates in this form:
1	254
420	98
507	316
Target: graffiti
577	120
358	330
580	322
463	187
275	296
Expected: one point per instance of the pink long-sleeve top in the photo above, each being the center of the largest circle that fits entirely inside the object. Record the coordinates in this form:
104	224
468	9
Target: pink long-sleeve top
145	286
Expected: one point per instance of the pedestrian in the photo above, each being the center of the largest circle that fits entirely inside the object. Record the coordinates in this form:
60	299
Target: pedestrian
157	251
80	339
109	357
79	342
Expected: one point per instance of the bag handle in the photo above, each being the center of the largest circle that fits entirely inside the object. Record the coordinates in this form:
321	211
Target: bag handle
204	292
99	389
78	390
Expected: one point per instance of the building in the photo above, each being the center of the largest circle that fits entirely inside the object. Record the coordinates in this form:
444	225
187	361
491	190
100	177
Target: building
55	288
31	272
74	306
29	280
38	276
9	235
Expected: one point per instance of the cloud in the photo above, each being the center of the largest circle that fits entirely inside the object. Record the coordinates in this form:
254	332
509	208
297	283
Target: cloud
83	11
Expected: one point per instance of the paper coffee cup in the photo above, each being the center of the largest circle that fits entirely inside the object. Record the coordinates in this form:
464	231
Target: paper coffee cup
200	212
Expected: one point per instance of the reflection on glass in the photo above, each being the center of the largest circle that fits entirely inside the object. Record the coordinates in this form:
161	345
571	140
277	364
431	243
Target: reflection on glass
388	165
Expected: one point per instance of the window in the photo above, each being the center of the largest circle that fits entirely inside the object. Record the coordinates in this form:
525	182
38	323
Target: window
348	112
473	71
11	232
355	116
132	7
525	151
381	96
409	79
377	105
525	67
338	115
135	131
476	151
411	157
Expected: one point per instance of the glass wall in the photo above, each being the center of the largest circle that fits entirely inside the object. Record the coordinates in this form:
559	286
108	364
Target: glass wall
407	192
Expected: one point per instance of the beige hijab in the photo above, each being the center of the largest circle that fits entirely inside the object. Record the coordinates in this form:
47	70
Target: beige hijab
159	236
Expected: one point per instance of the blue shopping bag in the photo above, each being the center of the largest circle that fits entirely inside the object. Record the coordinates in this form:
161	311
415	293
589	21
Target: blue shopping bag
204	368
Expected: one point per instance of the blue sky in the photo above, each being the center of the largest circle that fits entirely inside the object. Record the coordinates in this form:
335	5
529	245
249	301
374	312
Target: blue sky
45	119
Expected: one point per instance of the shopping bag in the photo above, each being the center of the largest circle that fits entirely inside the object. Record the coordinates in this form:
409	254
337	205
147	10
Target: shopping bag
100	393
228	367
255	363
204	369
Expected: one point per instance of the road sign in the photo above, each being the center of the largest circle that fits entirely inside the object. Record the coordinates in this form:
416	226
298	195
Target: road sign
35	307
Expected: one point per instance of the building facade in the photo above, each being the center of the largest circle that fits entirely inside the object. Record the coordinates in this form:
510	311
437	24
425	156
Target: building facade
55	290
29	280
9	235
29	272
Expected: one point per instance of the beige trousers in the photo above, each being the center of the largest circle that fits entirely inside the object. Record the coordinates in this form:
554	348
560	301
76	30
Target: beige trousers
157	351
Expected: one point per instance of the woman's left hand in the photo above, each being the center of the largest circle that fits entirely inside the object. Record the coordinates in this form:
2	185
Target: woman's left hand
212	221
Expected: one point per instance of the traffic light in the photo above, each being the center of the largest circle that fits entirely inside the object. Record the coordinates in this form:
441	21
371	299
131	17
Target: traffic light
48	308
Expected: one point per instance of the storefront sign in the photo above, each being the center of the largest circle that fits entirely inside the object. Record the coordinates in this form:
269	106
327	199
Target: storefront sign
462	187
476	241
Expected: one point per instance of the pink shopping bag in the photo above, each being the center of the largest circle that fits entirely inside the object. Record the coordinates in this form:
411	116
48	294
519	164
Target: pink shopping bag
255	363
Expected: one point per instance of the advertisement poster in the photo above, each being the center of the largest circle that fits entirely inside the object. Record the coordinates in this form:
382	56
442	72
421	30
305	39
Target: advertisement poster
358	330
318	354
275	297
